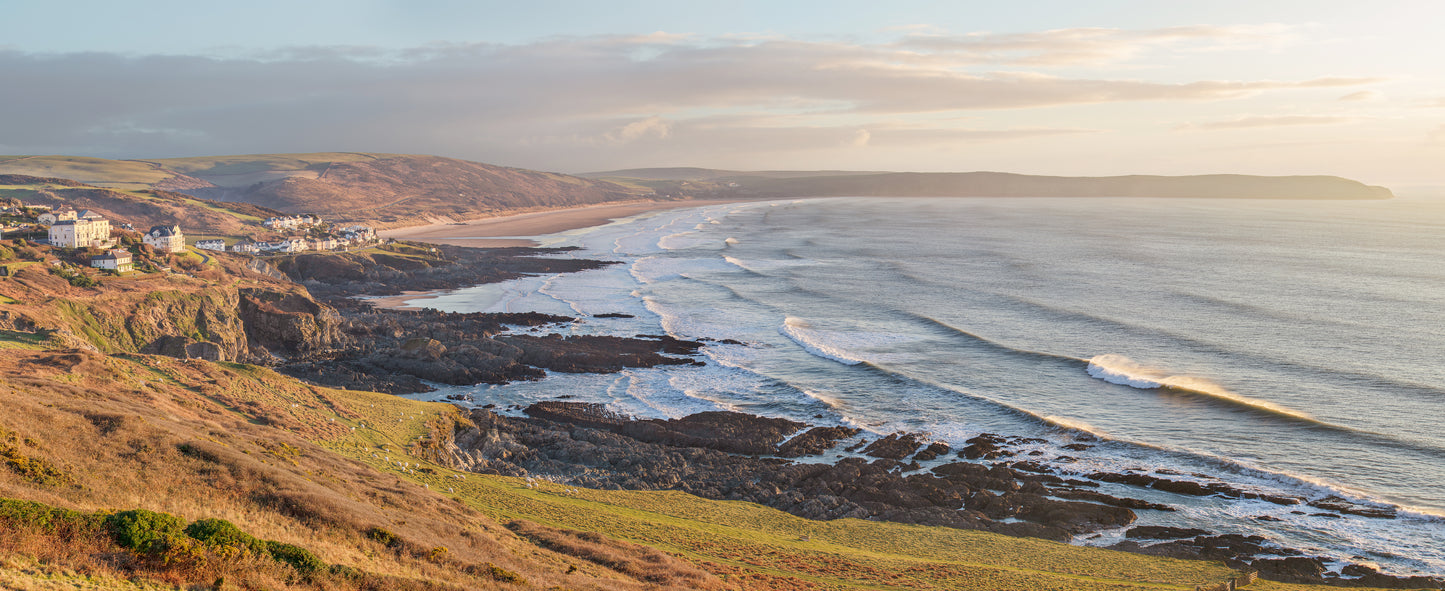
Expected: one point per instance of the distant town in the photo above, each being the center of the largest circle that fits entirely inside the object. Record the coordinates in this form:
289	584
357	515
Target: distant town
86	229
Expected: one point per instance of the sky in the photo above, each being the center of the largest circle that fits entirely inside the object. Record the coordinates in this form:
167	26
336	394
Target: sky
1042	87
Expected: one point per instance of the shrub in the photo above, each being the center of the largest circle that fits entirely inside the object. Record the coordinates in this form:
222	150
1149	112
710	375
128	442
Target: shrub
42	517
147	531
299	558
224	538
384	537
495	573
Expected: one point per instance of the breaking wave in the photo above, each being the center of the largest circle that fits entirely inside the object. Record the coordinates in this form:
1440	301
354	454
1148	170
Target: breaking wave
1118	369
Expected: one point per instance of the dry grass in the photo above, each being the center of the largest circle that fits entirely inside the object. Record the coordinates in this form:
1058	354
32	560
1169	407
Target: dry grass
202	440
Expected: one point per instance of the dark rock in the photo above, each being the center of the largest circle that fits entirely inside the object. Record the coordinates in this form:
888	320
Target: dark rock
1157	532
816	441
1295	569
688	454
894	447
1098	497
1340	505
986	446
932	452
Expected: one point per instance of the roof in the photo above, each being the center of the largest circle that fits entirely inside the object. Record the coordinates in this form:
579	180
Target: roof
162	231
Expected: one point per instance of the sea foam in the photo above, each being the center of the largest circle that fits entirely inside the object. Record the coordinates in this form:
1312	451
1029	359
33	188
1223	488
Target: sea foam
814	341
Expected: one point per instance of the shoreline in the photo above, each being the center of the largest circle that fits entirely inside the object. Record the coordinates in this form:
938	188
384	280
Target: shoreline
503	231
399	302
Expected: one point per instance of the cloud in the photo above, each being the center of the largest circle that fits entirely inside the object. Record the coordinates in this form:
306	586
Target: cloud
860	139
654	127
1279	121
554	103
1097	45
1363	95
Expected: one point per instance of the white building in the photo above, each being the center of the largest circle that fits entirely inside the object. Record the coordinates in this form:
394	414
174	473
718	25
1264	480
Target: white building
165	239
80	233
49	218
290	221
216	244
249	247
116	260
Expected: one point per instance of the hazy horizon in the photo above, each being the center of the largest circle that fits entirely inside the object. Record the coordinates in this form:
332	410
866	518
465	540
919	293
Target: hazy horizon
1034	88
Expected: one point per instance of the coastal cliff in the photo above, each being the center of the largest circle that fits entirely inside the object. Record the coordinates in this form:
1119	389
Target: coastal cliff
232	314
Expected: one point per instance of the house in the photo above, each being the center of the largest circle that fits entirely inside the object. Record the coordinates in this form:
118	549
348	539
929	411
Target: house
80	233
90	215
165	238
247	247
323	244
214	244
290	221
116	260
356	234
50	218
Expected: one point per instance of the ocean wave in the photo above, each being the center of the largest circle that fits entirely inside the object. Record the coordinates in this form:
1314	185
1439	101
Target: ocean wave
1118	369
1075	425
829	401
995	344
814	341
732	241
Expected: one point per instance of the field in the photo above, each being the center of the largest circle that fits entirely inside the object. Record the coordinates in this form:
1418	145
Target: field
128	174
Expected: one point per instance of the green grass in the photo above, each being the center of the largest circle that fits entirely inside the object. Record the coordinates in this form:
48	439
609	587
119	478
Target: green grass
94	171
253	163
752	540
10	339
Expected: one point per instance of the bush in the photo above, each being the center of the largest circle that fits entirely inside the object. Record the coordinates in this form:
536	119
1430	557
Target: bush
224	538
299	558
496	573
147	531
384	537
42	517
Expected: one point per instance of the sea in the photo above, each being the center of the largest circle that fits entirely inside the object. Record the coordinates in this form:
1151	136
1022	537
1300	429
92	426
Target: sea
1283	347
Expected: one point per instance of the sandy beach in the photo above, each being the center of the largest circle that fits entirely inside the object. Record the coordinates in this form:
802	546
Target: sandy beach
399	302
491	232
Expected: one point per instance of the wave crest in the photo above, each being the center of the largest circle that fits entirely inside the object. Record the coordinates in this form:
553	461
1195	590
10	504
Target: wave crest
812	341
1118	369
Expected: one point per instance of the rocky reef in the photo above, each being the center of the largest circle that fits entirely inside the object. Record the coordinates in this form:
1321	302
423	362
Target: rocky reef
736	456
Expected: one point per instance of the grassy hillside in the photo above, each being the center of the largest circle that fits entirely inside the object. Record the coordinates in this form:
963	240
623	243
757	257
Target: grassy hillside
127	174
142	208
383	190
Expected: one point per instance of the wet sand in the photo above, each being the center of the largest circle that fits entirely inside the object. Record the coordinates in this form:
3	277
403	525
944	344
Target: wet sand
399	302
501	231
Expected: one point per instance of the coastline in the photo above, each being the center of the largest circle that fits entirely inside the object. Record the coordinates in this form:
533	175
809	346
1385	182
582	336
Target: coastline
399	302
502	231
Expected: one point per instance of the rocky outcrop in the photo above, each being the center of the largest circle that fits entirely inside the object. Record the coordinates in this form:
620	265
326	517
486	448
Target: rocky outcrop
288	324
588	446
